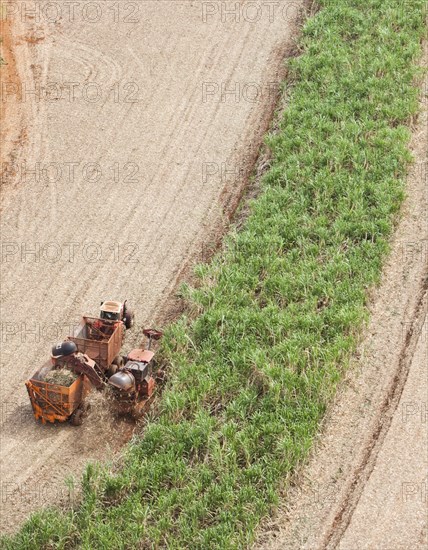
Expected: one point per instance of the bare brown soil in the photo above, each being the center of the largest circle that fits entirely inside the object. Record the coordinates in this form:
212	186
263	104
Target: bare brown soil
9	80
365	485
142	132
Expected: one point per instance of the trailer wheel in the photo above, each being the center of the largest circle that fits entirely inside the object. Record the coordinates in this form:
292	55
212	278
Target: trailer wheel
76	419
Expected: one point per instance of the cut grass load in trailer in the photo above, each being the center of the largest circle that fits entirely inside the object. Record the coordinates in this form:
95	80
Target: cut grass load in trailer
279	310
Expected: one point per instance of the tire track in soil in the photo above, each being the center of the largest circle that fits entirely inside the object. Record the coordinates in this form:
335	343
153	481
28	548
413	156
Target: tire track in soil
388	409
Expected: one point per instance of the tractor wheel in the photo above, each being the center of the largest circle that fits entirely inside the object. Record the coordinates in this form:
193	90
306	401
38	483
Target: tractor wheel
111	370
118	360
116	364
129	319
160	376
76	419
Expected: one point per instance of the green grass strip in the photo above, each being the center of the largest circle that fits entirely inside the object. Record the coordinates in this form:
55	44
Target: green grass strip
279	310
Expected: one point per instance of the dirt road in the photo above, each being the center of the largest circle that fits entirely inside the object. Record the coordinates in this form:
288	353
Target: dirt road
391	512
140	124
365	485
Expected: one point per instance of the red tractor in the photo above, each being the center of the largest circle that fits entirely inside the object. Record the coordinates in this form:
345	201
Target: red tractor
133	384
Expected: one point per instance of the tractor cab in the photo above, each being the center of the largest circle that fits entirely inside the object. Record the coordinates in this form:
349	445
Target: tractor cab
111	311
117	311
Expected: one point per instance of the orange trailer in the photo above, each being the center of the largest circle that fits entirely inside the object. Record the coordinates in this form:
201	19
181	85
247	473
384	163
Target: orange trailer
52	402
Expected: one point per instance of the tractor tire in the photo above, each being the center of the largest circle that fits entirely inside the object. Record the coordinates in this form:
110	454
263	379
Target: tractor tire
119	361
76	419
160	376
111	370
128	320
116	364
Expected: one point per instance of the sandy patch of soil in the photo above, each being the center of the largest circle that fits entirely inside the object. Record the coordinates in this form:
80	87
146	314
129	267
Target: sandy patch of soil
12	133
